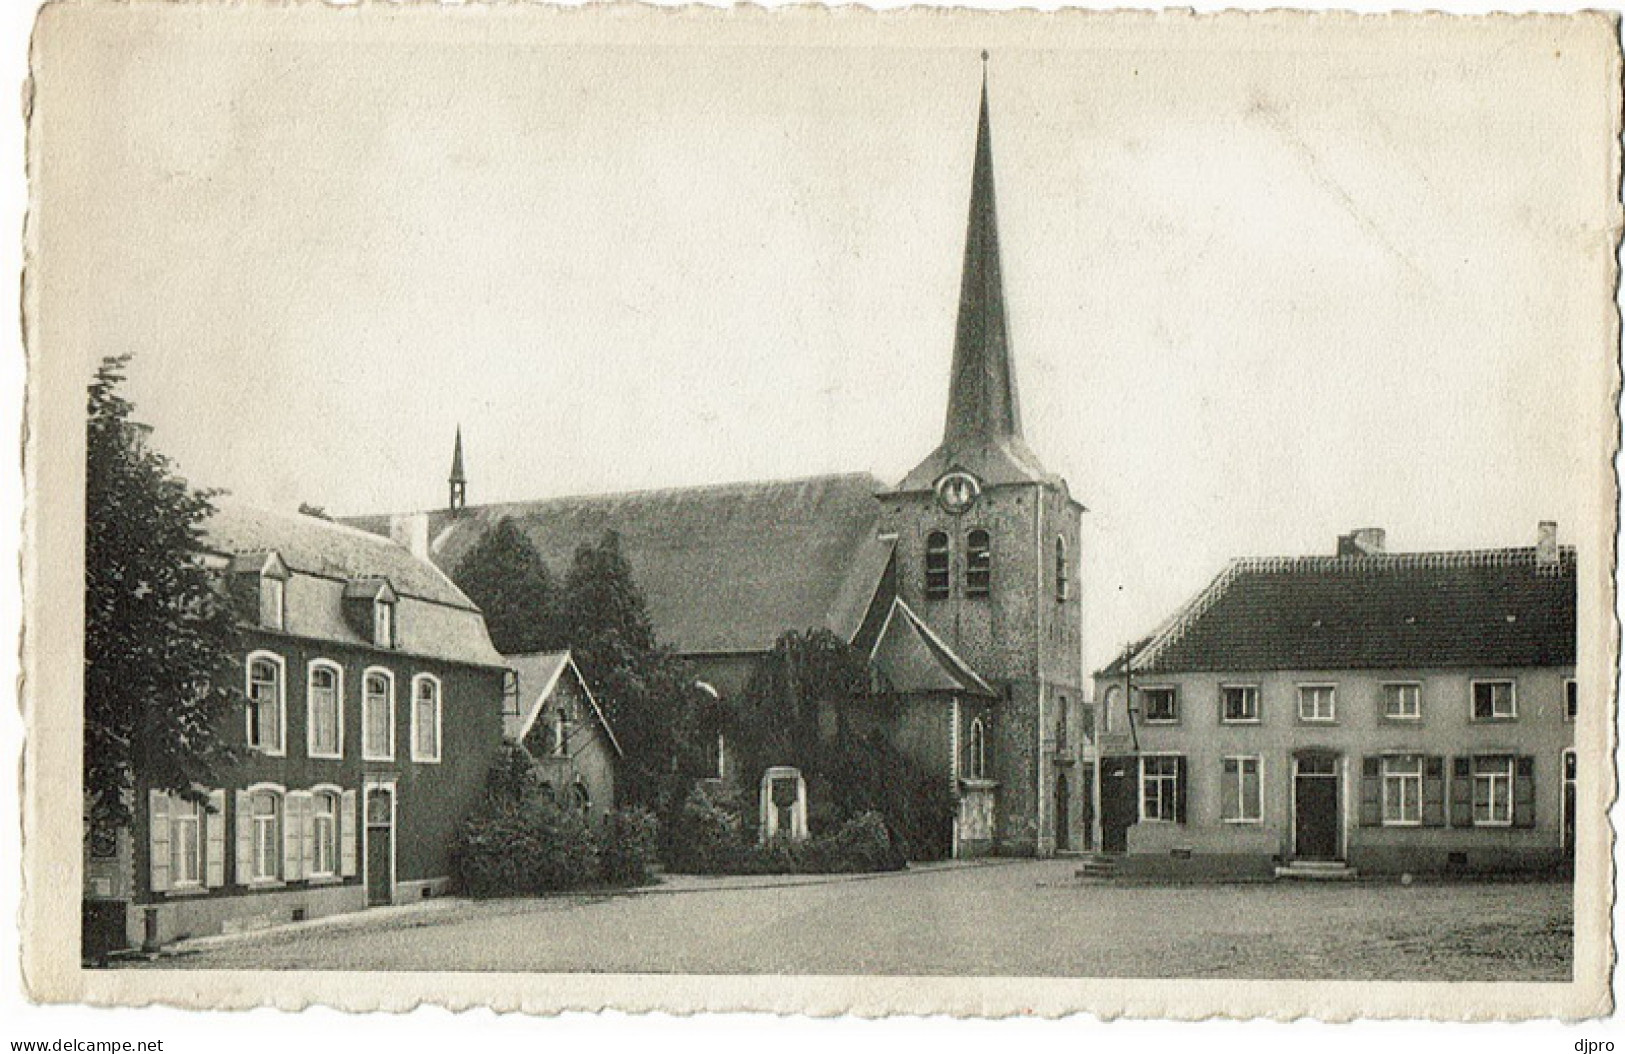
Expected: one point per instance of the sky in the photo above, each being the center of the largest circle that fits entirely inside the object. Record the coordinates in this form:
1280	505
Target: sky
1266	282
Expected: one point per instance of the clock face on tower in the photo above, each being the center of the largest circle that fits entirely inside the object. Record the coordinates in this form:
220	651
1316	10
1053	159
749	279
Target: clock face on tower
957	491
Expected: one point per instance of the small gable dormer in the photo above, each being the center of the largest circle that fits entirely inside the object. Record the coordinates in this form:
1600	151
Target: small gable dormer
260	588
370	606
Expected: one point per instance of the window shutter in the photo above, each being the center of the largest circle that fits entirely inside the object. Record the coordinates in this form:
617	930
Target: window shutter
245	840
158	840
1371	792
1461	792
1433	792
214	844
347	835
1181	796
1523	793
307	829
293	853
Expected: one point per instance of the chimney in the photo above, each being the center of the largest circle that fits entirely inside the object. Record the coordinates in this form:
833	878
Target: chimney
1546	544
1363	541
412	532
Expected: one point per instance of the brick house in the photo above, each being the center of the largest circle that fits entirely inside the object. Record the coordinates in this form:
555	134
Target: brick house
1379	711
562	726
373	706
959	582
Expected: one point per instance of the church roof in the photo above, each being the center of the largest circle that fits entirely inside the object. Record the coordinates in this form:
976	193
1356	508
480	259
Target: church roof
908	657
1487	608
723	568
982	434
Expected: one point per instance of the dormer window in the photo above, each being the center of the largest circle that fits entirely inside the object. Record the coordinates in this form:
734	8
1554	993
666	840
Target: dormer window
370	609
273	603
262	589
383	623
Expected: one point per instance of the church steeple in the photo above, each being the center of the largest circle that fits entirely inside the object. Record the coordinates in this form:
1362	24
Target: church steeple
458	482
982	400
982	434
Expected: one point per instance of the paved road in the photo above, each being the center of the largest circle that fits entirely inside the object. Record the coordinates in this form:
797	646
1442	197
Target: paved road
1007	918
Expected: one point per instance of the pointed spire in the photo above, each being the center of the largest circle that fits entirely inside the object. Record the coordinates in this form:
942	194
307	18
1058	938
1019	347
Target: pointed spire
982	399
458	482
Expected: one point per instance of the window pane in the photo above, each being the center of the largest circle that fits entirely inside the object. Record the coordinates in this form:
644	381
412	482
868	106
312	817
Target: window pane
324	711
978	563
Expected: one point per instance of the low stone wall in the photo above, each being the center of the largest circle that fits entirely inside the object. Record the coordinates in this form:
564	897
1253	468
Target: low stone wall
1196	867
1177	853
1467	860
177	918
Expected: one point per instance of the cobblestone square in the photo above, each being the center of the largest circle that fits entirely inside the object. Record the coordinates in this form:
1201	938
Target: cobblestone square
1023	918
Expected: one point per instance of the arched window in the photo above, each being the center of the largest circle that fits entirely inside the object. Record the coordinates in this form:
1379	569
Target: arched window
186	861
266	703
265	833
977	746
378	716
425	718
936	566
324	833
1061	582
324	711
583	800
978	563
561	733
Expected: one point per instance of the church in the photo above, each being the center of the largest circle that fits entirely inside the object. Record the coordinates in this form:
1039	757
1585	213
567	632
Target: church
960	582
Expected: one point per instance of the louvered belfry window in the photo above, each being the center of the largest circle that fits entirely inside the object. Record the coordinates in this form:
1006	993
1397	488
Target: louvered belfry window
978	563
936	566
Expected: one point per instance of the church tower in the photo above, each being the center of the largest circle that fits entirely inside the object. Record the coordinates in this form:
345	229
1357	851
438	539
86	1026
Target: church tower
987	554
458	483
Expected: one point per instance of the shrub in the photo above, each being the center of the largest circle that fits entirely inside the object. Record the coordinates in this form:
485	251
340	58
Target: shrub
862	843
536	847
626	847
518	841
708	837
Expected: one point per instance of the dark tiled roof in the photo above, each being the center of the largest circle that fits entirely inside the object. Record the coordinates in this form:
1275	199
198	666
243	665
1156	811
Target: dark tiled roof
909	657
723	568
538	673
322	547
1481	608
330	561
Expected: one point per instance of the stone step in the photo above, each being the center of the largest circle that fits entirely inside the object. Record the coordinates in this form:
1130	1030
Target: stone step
1317	871
1097	866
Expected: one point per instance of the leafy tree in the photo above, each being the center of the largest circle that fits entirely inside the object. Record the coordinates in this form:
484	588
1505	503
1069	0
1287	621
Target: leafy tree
776	721
160	639
505	575
647	694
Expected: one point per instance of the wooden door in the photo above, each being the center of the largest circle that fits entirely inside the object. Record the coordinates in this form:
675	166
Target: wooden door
1570	799
1063	818
1315	817
1086	821
380	845
1119	802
